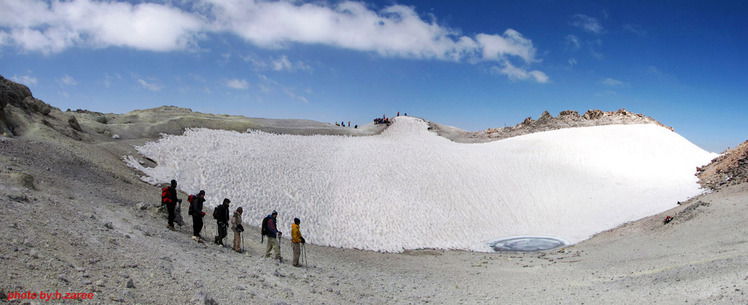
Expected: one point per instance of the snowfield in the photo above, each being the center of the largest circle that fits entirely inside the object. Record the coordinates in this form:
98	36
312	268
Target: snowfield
408	188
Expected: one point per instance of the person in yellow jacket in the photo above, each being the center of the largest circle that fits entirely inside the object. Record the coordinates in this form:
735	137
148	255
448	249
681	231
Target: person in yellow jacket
296	241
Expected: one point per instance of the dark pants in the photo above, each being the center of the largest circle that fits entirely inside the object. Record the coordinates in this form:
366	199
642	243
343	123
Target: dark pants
197	224
221	232
170	207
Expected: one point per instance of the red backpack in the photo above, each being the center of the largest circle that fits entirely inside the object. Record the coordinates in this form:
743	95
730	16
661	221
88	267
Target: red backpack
191	200
165	196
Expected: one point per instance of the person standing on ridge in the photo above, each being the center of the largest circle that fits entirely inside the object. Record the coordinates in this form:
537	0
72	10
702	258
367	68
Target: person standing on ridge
221	214
196	210
271	230
296	241
238	228
171	201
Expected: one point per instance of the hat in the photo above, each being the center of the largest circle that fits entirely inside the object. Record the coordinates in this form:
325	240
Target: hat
201	192
274	213
226	200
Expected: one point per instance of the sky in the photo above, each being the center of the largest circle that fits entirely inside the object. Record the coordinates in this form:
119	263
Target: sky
470	64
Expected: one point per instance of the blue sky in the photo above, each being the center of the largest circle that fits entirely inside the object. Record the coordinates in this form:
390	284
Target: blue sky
470	64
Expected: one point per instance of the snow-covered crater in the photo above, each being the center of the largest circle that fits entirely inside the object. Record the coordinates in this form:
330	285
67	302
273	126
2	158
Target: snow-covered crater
408	188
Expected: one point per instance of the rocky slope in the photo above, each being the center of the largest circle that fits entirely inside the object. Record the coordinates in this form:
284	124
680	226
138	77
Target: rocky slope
546	122
730	168
21	113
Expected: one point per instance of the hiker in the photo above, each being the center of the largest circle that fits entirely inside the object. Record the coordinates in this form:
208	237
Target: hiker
171	201
296	241
236	226
196	211
221	214
271	230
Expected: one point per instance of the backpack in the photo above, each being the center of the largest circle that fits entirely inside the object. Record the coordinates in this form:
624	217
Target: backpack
216	212
191	199
264	228
165	196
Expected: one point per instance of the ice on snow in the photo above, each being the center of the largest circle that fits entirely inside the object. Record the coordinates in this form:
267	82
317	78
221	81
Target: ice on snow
408	188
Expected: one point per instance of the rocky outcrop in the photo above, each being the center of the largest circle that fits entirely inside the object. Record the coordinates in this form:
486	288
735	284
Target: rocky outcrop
18	107
730	168
565	119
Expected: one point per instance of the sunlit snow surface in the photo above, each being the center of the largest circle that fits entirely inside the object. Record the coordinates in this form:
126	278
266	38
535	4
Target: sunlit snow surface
408	188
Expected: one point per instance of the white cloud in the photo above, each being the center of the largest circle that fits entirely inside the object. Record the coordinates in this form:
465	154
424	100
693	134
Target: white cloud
283	64
662	75
35	25
653	70
197	78
25	80
396	30
238	84
612	82
587	23
636	29
515	73
68	80
51	26
595	53
149	85
572	62
495	47
572	43
4	39
108	79
293	95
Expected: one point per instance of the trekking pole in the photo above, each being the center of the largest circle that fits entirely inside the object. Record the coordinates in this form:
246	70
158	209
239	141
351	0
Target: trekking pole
303	248
226	238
